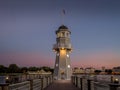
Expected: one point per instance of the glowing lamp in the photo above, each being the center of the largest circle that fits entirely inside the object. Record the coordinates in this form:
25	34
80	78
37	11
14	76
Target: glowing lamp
7	78
116	80
68	66
67	55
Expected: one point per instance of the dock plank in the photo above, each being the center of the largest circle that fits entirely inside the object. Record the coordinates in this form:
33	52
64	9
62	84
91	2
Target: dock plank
62	85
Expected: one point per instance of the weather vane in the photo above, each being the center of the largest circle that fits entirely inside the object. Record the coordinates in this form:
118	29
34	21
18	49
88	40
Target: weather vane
63	15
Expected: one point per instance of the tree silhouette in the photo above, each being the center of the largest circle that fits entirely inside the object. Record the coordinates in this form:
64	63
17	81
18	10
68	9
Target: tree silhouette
13	68
3	69
108	71
33	69
24	69
97	71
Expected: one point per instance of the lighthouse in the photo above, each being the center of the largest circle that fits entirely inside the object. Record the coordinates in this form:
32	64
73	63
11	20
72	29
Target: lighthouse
62	48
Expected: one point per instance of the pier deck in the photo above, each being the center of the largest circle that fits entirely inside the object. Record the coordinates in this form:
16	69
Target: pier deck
62	85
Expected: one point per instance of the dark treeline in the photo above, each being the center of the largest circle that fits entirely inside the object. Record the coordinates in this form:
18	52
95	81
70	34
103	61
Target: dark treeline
107	71
13	68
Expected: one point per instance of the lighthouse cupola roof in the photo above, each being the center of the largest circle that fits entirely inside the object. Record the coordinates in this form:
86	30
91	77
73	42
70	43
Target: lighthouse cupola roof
62	28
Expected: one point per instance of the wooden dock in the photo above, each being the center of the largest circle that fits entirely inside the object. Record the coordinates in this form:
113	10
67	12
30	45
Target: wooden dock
62	85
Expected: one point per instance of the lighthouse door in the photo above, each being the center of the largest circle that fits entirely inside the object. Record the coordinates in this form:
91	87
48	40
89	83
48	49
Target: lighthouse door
62	75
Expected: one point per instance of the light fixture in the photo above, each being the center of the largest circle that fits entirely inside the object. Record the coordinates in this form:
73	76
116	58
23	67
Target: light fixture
68	66
67	55
7	78
56	65
57	54
116	80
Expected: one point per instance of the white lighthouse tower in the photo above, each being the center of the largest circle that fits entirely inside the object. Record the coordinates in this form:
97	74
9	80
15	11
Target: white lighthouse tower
62	69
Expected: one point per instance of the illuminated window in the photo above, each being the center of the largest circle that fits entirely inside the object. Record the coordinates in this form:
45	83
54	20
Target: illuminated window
58	35
67	34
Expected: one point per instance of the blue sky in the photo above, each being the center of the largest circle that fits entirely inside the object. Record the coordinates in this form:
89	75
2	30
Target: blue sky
27	31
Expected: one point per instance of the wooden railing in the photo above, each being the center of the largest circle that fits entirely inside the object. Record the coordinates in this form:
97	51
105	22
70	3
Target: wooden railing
86	83
20	86
36	83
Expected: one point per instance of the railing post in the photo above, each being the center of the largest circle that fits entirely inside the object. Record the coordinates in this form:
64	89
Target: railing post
84	83
4	86
41	83
31	84
92	85
81	85
89	84
47	81
112	79
95	78
51	78
73	79
114	86
76	81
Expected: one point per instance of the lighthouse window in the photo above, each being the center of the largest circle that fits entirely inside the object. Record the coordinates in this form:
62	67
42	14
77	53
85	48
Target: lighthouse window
63	34
58	35
67	34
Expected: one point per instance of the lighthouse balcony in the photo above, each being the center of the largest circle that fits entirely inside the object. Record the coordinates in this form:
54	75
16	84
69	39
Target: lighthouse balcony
62	46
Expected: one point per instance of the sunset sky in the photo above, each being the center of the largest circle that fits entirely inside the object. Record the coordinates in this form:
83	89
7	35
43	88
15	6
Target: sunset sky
27	31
